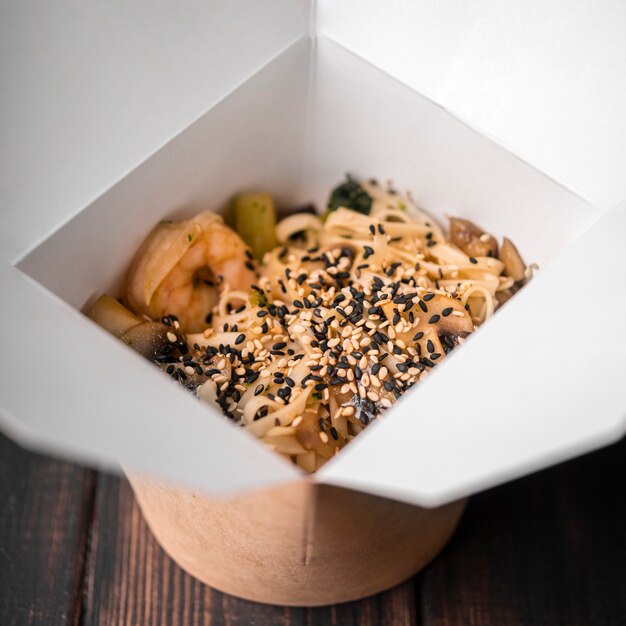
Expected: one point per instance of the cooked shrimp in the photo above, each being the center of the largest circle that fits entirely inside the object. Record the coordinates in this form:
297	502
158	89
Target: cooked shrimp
183	266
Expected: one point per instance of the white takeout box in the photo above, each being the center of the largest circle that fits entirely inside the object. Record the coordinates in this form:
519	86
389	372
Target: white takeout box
286	97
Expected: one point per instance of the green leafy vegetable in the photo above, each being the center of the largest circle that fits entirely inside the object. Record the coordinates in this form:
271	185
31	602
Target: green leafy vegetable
351	196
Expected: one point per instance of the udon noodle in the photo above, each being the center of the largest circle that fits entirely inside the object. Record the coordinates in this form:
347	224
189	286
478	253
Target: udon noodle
309	344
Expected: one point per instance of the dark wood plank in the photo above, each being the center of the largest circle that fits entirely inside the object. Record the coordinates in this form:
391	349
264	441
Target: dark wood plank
45	512
130	580
548	549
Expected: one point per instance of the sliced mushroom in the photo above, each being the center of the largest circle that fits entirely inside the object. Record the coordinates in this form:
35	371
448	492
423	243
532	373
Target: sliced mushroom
111	315
438	315
444	314
513	263
152	339
474	241
312	437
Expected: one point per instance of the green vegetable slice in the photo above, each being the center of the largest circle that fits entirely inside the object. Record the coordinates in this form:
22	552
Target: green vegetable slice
253	216
351	196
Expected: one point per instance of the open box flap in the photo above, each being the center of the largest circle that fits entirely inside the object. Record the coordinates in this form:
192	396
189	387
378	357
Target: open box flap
95	399
546	79
149	423
90	89
516	405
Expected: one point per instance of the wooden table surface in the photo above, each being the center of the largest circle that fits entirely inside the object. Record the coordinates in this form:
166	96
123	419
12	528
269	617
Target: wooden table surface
547	549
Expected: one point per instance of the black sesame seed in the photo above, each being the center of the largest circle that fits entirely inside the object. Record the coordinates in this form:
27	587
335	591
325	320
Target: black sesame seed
447	311
259	389
434	319
473	260
372	229
428	296
240	339
423	306
430	346
418	336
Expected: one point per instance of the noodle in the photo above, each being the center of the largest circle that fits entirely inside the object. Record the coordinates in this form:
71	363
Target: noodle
350	310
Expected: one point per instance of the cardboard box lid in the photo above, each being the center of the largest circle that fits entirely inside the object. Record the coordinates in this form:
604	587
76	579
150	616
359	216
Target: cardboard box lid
563	351
545	79
45	189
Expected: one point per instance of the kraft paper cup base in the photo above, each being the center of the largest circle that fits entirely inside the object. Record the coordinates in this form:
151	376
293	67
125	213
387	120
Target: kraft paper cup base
301	544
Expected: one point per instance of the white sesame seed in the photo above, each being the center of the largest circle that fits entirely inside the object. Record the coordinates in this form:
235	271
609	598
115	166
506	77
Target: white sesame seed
171	337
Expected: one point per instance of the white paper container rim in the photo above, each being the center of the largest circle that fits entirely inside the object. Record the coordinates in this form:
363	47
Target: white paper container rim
503	405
